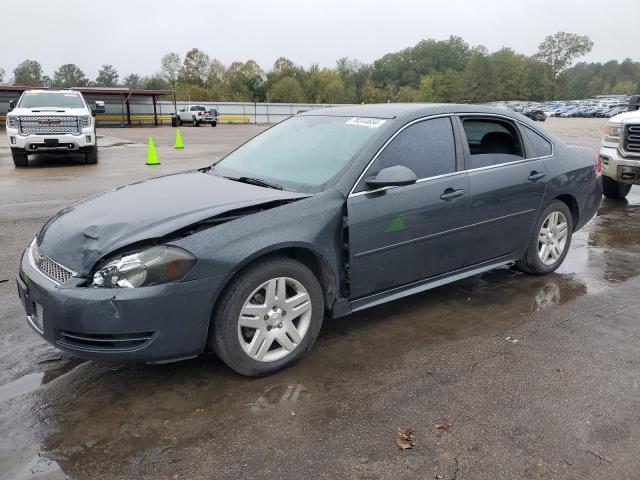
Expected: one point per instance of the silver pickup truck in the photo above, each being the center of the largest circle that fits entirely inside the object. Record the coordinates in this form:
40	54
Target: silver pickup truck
195	115
620	154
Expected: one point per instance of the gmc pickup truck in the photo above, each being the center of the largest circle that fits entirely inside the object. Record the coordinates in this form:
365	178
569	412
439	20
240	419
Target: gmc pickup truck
620	155
52	121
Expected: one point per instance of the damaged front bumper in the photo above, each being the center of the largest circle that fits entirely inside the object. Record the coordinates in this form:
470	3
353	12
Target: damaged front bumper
148	324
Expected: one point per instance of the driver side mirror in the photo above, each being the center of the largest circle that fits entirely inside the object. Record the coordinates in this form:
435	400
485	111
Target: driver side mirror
395	176
12	105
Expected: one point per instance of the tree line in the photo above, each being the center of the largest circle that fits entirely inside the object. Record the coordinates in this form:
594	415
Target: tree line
448	70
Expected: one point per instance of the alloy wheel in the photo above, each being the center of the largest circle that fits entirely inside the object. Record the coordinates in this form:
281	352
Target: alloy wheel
274	319
552	239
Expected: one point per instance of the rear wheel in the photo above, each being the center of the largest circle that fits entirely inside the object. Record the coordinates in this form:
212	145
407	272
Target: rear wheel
613	189
268	318
20	159
550	242
179	121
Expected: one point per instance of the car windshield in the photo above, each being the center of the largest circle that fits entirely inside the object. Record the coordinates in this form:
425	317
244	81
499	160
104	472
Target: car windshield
302	153
51	99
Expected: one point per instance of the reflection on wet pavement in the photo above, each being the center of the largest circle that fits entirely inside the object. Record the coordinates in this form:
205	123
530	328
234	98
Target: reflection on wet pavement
97	417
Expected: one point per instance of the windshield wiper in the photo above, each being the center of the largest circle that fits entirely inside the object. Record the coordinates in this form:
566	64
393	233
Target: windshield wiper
256	181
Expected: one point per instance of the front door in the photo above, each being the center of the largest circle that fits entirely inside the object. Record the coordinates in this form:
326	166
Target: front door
401	235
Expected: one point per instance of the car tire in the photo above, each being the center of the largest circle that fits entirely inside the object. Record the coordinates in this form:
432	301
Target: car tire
20	159
91	157
213	124
539	261
613	189
179	121
238	346
195	122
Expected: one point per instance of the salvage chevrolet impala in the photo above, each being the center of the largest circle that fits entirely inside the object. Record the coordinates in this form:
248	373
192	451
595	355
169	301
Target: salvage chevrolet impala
327	213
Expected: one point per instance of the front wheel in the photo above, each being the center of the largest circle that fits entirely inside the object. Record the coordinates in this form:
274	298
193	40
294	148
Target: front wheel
195	122
613	189
20	159
550	241
268	318
214	123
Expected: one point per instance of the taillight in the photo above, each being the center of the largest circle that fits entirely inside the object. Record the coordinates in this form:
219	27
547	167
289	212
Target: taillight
598	164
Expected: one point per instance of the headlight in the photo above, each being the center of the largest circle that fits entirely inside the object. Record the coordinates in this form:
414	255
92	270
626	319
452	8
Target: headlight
612	132
152	266
12	122
85	121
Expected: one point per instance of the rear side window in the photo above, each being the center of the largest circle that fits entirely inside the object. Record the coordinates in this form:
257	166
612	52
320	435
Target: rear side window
492	142
428	148
541	146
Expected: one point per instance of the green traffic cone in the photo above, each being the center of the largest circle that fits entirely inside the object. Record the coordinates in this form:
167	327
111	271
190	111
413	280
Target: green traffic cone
152	157
178	144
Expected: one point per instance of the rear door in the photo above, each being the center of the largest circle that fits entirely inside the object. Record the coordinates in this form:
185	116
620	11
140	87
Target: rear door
400	235
506	186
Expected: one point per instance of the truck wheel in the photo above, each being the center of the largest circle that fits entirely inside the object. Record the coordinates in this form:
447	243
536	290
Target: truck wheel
20	159
179	121
91	157
174	122
613	189
195	122
550	240
214	123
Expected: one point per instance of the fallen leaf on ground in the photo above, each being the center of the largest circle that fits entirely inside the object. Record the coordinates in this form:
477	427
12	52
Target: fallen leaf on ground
442	426
404	438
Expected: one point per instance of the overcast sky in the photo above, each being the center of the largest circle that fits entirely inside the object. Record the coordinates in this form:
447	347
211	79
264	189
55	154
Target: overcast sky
133	34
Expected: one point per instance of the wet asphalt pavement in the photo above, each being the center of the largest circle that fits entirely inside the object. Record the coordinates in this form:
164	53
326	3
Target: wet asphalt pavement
538	377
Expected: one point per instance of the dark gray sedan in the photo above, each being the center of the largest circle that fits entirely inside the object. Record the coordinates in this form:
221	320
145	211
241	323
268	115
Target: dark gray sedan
327	213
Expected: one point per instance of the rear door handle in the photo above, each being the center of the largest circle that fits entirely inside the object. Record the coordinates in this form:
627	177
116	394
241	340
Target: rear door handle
535	176
450	194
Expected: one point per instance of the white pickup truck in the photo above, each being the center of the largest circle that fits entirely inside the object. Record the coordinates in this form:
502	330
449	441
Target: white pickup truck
52	121
195	115
620	154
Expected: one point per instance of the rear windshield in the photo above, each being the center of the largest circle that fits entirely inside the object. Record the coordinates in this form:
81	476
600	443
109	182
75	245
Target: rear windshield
51	99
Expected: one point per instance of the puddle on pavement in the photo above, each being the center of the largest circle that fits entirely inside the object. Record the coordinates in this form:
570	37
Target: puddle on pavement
104	415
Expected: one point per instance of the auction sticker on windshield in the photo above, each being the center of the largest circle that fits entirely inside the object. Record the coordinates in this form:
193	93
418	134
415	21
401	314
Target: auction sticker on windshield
366	122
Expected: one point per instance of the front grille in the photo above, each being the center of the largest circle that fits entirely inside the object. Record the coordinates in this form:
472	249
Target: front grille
631	141
104	341
48	124
48	267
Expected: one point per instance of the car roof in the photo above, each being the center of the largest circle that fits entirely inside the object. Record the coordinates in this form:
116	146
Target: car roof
394	110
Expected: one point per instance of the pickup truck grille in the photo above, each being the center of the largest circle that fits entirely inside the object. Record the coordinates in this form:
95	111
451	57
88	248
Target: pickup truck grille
44	125
631	140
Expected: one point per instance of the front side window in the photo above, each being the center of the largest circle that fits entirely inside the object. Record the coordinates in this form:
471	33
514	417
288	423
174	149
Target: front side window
491	142
427	148
51	100
302	153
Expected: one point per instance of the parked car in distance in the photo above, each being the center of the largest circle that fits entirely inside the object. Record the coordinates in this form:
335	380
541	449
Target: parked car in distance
52	122
326	213
194	115
620	154
535	114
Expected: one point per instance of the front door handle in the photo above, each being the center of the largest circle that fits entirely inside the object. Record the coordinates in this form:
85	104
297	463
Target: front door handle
450	194
535	176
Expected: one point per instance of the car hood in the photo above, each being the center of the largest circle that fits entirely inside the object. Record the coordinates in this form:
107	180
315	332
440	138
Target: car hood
83	233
